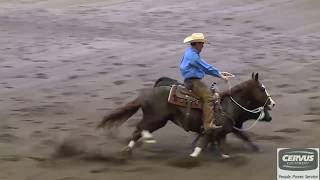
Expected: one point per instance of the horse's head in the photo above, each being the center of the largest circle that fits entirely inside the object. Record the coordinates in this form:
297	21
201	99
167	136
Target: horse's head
259	93
259	96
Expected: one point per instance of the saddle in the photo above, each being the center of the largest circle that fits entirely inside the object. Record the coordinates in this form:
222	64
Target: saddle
181	96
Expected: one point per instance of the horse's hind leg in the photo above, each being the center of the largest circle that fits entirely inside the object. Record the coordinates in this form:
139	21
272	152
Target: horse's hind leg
136	135
147	137
150	124
144	130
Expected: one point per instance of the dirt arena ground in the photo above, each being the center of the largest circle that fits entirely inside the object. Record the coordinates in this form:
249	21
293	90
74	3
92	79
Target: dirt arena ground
65	64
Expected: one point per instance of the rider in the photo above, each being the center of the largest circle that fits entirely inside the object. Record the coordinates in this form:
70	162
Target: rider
193	68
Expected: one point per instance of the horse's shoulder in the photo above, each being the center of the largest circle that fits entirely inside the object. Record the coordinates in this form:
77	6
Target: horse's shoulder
224	94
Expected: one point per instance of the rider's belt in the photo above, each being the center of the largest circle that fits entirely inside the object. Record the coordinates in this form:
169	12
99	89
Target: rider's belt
192	78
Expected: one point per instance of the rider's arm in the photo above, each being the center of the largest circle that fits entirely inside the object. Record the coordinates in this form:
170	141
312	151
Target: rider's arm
204	66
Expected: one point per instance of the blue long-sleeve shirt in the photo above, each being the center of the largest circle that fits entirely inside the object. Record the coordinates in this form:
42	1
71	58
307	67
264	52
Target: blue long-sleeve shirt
192	66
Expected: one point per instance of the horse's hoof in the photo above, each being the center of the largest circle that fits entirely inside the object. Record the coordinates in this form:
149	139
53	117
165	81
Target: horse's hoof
225	156
193	156
127	151
255	148
149	141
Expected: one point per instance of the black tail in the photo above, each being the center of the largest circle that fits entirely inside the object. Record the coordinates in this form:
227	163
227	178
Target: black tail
121	115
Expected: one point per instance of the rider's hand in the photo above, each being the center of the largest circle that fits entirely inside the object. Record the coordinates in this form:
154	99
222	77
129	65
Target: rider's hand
227	74
225	78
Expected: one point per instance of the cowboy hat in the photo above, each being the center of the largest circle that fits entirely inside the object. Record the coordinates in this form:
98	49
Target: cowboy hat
195	37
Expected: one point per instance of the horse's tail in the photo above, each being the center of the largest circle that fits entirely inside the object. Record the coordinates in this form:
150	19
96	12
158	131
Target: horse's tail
120	115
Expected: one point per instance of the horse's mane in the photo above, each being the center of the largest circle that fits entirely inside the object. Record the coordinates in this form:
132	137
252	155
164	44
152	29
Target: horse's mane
234	90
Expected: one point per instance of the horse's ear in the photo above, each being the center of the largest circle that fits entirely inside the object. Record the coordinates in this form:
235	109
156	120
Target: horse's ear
256	77
252	75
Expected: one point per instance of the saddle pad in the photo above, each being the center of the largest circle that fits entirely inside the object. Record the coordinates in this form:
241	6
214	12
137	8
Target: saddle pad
181	96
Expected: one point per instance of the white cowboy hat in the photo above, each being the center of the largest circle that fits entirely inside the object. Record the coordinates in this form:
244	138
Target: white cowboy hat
195	37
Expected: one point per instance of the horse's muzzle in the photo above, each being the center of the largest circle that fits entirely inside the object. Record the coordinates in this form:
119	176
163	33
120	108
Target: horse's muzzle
271	105
267	116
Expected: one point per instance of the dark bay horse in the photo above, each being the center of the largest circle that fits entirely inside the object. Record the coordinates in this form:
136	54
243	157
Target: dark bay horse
157	112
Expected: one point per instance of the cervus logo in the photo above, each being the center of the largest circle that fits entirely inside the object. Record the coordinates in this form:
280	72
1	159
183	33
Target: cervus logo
298	159
301	163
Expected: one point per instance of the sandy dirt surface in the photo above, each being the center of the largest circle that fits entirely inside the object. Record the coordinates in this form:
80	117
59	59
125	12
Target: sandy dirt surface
65	64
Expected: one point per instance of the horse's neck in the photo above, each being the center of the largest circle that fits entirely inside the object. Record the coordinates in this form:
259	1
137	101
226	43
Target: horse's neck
231	106
234	111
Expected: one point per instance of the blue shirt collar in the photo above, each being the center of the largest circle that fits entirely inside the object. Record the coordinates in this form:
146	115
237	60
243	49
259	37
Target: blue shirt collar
194	50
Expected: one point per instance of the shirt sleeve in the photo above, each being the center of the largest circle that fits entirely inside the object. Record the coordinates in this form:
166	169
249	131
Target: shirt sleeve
204	66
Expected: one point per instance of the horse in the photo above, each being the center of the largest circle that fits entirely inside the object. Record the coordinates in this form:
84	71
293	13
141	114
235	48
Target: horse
250	94
243	117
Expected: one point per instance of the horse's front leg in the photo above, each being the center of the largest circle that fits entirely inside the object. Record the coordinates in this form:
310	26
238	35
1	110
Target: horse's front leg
221	147
204	141
245	137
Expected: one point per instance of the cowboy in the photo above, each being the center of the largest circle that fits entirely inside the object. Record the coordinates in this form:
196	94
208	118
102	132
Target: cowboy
193	69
